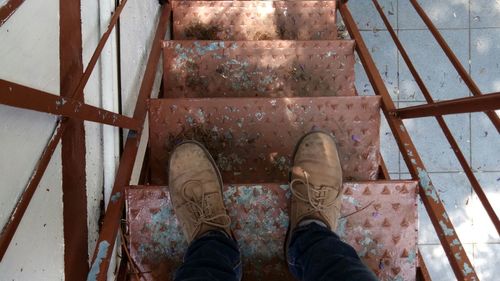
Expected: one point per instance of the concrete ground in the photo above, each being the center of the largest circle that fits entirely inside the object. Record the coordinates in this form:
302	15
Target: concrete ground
472	29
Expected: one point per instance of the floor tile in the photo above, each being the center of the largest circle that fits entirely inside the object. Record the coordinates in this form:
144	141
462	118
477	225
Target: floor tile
490	182
431	143
437	262
485	13
426	232
367	17
485	144
485	59
455	192
384	54
403	169
443	13
389	148
394	176
405	176
486	257
438	74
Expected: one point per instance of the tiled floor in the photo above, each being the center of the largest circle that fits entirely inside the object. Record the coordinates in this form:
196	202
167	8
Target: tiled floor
472	29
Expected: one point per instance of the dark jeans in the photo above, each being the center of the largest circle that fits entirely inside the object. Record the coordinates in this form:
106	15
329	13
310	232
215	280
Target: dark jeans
315	253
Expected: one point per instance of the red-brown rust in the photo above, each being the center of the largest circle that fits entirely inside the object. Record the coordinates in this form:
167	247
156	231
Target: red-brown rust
262	132
454	250
73	148
447	132
23	97
260	221
275	68
107	235
456	106
249	20
8	9
454	60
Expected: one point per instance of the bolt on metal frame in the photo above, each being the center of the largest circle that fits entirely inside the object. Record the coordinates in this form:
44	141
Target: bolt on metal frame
103	252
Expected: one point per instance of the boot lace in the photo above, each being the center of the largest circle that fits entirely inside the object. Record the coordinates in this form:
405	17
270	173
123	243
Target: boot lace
203	212
316	195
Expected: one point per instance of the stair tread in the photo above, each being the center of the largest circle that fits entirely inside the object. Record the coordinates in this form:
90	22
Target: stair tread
252	139
383	231
254	20
276	68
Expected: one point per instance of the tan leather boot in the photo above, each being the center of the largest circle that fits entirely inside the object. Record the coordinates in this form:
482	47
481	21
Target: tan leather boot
316	181
196	191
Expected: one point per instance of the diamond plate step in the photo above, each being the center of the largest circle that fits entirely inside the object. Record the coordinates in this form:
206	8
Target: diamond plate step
383	231
254	20
253	139
258	68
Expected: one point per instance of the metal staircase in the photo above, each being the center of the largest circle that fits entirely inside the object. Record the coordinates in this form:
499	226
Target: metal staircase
248	79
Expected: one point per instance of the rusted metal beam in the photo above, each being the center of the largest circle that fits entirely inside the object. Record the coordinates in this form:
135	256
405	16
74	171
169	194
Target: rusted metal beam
447	132
455	252
456	106
454	60
8	9
73	148
23	97
107	235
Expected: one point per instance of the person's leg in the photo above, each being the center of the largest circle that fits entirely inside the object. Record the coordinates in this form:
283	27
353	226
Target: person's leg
316	253
313	251
195	188
214	256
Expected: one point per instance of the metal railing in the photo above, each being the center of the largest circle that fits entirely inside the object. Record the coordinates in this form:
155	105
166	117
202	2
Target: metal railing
71	108
454	250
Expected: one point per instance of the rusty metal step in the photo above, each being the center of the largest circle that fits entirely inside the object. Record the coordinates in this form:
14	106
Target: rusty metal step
383	231
252	139
258	68
254	20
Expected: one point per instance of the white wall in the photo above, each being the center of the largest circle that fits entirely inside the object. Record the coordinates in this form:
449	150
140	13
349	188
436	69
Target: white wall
138	25
93	131
36	251
29	55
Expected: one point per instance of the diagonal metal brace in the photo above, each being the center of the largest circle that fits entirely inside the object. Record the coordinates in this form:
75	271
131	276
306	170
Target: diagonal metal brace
16	95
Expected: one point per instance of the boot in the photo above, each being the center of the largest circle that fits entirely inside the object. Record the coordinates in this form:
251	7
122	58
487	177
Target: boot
315	182
195	187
